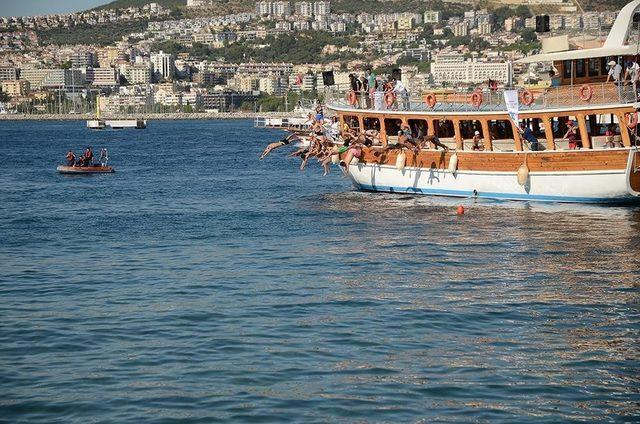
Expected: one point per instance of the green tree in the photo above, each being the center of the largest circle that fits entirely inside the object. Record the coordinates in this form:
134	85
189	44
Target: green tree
528	35
523	11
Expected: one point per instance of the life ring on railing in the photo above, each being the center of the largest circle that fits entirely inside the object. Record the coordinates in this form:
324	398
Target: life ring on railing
352	98
585	92
526	97
430	100
389	98
476	98
631	120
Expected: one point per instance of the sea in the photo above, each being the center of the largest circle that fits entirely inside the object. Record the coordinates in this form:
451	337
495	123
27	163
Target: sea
199	284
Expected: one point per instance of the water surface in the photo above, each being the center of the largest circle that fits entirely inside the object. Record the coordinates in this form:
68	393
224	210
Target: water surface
199	284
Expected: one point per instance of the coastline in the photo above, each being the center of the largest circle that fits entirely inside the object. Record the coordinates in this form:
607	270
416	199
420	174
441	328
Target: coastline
148	116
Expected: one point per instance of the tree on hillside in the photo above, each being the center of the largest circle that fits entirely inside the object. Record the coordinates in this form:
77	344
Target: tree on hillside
523	11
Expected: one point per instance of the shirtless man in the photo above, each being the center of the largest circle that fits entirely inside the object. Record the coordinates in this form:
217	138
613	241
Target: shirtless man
271	147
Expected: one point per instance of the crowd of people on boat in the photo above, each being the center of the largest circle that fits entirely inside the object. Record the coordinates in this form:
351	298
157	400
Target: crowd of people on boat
87	158
328	142
372	91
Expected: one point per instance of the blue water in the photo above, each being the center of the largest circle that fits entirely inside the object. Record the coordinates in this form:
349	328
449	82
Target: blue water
199	284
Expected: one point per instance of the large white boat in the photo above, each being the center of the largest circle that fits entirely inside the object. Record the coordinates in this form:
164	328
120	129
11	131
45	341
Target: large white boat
598	163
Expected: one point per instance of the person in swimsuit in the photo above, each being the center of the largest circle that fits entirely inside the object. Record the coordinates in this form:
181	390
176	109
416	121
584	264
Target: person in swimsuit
276	144
476	141
572	136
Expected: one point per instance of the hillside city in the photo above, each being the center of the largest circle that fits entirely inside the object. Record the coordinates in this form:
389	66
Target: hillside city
158	59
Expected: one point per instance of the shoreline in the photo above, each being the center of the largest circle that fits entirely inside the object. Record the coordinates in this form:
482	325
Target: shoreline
148	116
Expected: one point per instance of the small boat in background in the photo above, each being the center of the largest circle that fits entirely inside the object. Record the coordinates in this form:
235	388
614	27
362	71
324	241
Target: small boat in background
116	124
93	169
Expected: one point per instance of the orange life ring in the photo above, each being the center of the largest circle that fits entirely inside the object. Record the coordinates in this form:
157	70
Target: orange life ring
389	98
526	97
352	98
430	100
633	122
585	92
476	98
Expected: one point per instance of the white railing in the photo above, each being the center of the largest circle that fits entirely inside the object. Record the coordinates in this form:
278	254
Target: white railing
492	100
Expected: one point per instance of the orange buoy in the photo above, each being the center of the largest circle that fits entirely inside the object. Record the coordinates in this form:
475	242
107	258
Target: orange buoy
631	120
460	210
526	97
476	98
430	100
352	98
585	92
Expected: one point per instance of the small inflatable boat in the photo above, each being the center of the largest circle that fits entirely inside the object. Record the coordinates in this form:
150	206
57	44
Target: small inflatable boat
93	169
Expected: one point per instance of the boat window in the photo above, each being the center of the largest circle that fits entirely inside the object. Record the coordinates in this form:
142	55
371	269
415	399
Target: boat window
419	127
580	70
501	130
567	69
352	121
444	128
468	128
392	126
560	127
594	67
372	124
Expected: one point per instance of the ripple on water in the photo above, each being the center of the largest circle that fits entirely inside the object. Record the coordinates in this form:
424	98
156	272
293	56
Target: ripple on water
224	288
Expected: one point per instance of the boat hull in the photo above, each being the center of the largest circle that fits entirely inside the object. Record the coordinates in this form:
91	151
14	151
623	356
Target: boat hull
78	170
571	185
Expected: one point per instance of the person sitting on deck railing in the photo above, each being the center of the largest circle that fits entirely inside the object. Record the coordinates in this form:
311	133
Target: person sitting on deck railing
615	72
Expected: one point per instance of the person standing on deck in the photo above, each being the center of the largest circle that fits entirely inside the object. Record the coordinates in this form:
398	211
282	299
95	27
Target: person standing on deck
401	93
571	135
527	134
356	86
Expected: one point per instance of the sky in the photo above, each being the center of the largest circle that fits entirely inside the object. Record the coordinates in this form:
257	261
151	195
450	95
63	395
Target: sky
45	7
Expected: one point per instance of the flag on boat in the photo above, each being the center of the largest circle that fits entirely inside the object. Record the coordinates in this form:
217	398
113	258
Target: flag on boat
511	100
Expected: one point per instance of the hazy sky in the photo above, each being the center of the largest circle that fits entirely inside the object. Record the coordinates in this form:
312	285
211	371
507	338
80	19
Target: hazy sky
45	7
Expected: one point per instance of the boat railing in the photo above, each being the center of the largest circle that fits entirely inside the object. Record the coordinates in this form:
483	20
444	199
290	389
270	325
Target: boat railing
299	123
490	100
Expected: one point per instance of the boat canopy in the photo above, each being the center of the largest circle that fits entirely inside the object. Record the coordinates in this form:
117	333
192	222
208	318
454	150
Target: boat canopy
617	43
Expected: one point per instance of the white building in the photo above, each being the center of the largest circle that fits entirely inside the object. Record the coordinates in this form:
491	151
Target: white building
138	74
432	17
102	77
461	29
163	65
451	70
273	8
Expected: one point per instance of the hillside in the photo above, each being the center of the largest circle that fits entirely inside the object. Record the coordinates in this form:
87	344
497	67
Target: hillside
122	4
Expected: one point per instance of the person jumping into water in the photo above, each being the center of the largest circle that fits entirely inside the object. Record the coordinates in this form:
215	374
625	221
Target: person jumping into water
271	147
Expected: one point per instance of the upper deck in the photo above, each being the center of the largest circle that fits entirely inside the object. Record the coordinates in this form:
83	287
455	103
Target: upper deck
447	102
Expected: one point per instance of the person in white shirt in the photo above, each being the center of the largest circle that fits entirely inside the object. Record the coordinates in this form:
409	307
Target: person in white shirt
615	72
401	93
